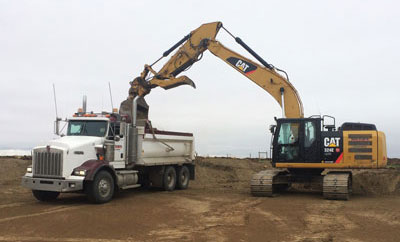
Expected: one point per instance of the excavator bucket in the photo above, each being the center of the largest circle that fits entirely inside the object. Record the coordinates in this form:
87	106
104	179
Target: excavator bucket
172	82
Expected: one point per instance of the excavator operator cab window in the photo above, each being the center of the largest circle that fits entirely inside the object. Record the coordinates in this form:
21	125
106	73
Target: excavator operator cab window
288	141
309	133
297	141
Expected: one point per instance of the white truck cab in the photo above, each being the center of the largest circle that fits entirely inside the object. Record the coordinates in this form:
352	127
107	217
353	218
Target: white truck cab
102	152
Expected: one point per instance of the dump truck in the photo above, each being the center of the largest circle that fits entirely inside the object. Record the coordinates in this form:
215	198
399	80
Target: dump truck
102	153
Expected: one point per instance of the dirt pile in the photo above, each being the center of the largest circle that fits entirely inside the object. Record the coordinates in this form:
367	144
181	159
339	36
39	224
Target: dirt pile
12	169
224	174
393	162
376	182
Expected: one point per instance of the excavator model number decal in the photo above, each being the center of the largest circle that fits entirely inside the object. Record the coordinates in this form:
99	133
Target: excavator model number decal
242	65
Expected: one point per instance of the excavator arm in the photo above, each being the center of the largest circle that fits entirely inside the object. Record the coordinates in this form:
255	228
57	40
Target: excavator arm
191	50
268	79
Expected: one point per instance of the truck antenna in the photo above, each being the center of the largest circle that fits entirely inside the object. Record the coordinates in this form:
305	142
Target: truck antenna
112	105
55	100
57	122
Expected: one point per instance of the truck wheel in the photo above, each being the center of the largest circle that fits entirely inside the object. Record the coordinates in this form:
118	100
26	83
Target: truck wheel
101	189
169	179
183	177
45	196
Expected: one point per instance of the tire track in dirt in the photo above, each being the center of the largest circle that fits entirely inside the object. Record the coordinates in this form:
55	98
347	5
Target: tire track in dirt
45	212
211	218
323	222
11	205
389	218
278	221
22	238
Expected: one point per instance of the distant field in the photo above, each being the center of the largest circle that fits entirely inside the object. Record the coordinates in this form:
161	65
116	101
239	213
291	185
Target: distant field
15	152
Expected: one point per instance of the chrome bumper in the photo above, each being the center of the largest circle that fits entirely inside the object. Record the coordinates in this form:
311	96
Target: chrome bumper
55	185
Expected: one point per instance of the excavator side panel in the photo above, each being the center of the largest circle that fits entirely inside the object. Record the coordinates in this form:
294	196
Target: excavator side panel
361	149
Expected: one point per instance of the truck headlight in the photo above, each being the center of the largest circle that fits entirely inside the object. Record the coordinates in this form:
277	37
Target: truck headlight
29	169
80	172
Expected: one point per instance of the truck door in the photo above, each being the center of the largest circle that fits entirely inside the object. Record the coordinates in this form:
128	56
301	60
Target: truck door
114	133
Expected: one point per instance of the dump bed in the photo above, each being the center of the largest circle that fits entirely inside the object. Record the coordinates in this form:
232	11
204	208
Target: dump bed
164	147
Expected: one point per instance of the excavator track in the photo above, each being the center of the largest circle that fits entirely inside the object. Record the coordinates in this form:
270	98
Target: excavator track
265	183
337	185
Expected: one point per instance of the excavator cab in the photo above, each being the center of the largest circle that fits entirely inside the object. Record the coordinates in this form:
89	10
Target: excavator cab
297	140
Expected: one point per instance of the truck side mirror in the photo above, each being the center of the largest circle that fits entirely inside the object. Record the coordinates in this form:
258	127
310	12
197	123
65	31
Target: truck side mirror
117	138
272	128
57	126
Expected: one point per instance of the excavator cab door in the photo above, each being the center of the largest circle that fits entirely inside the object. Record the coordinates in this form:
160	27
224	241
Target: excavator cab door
297	140
286	141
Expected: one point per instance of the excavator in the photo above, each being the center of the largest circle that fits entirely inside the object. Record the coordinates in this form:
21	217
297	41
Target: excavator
304	150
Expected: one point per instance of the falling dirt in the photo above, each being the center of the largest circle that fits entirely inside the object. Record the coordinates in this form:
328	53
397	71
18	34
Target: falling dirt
216	207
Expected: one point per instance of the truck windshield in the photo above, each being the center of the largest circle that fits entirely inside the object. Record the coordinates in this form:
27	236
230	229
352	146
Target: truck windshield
87	128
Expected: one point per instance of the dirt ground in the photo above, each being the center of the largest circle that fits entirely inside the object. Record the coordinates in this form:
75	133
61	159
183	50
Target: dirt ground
216	207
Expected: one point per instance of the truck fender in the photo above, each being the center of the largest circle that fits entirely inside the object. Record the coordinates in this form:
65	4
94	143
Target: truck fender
94	166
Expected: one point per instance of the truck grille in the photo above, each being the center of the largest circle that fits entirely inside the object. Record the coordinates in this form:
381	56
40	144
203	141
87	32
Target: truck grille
47	163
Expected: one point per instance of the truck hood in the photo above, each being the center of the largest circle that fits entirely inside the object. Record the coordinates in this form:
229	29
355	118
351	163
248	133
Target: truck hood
72	142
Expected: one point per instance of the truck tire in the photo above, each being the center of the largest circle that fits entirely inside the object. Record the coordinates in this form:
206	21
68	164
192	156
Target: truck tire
169	178
45	196
183	177
101	189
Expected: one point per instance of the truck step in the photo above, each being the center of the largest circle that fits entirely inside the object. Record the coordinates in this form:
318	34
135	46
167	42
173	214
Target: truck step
123	172
130	186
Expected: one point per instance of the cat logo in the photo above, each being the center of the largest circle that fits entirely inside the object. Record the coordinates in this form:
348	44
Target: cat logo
242	65
332	142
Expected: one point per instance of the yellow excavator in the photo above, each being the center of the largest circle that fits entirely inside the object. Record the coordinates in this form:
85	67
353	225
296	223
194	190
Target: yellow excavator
304	150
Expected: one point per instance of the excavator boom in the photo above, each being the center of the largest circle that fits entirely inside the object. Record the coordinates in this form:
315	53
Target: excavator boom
201	39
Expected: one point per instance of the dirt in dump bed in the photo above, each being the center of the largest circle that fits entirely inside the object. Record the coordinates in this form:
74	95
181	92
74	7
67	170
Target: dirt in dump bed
216	207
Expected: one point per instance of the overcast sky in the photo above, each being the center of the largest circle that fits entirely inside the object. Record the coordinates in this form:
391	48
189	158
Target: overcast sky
343	58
